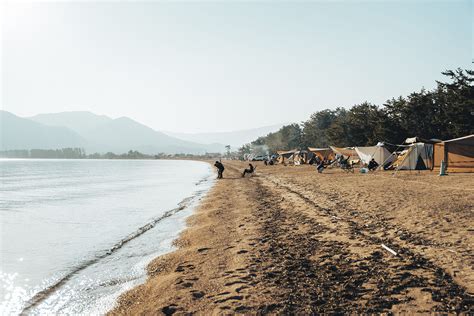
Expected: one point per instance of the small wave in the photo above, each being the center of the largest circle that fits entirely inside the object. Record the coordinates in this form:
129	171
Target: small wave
39	297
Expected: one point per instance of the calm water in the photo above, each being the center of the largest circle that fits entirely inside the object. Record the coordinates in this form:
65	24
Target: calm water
74	234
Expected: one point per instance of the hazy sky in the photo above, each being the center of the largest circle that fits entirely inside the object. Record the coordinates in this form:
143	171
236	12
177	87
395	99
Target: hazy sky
217	66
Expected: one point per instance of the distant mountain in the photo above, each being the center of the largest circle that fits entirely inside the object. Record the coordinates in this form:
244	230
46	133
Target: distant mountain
99	133
122	134
79	121
235	139
21	133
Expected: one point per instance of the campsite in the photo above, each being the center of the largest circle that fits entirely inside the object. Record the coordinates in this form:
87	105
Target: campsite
449	156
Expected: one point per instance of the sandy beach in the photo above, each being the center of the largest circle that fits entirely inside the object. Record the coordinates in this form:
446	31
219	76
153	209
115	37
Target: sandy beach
290	240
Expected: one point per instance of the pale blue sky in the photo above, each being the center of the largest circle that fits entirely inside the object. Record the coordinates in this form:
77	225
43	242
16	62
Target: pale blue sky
175	66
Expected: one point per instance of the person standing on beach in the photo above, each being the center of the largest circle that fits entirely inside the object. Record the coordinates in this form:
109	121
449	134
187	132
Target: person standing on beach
220	169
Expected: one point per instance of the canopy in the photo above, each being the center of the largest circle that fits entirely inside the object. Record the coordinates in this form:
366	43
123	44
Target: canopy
381	155
346	151
286	152
282	154
322	153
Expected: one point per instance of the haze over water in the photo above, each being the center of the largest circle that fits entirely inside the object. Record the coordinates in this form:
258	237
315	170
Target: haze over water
82	231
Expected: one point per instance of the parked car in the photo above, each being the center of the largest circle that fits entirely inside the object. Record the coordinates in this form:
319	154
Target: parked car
259	158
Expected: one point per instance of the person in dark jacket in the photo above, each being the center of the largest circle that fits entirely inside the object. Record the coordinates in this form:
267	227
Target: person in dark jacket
373	165
249	170
320	166
220	169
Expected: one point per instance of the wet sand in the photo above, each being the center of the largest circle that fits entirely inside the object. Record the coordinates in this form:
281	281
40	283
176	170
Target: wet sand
290	240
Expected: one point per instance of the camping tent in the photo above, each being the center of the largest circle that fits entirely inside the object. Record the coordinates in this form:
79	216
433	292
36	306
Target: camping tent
299	156
322	153
378	152
346	152
417	155
282	155
458	154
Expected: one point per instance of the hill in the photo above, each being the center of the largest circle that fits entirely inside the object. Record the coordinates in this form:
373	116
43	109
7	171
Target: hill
21	133
79	121
100	133
122	134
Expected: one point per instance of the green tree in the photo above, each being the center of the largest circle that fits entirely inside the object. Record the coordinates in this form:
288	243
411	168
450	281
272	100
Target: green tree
315	130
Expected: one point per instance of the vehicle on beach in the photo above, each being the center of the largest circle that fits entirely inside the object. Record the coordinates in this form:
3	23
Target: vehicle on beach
259	158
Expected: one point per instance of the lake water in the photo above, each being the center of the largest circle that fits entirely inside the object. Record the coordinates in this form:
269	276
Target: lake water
74	234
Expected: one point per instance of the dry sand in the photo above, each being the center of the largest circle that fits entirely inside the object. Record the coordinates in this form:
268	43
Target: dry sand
290	240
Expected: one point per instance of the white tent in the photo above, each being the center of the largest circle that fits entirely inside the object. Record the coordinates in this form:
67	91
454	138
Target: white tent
418	156
381	155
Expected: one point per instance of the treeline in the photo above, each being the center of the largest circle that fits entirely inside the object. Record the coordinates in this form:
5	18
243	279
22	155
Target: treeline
63	153
80	153
442	113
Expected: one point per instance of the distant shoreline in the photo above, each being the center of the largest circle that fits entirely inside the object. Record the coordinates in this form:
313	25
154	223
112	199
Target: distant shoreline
79	153
170	158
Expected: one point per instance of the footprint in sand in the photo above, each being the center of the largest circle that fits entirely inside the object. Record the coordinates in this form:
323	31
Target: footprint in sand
242	309
169	310
186	285
239	289
197	294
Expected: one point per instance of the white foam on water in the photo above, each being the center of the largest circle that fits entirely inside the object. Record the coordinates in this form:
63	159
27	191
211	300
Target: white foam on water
90	282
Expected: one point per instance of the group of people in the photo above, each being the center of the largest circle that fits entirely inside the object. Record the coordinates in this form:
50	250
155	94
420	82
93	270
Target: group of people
319	163
343	162
315	160
220	170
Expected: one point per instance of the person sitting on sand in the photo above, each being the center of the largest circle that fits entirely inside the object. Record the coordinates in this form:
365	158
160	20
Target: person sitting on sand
320	166
220	169
249	170
373	165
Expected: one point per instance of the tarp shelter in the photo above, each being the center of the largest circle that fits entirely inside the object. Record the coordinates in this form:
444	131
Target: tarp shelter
322	153
378	152
416	139
300	156
458	154
417	156
346	152
282	155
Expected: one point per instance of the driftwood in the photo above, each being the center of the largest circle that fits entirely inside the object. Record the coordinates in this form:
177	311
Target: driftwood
389	250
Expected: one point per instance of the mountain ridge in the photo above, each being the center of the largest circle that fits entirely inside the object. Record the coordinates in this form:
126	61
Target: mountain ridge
22	133
94	133
100	133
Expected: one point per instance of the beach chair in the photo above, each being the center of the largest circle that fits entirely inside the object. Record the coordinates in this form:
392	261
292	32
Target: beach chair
346	165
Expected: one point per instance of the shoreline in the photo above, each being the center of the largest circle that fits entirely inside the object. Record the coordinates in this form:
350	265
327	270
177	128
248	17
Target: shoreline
291	241
118	264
